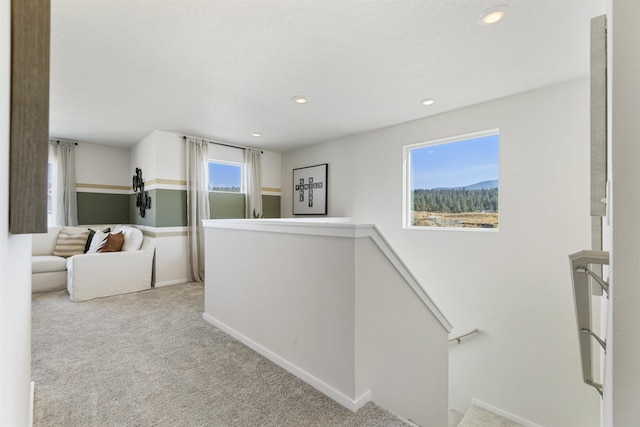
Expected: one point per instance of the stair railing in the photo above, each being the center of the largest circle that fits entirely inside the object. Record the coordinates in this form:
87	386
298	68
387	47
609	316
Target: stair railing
459	338
582	294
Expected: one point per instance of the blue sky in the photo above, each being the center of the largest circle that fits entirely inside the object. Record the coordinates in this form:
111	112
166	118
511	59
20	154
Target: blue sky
455	164
223	175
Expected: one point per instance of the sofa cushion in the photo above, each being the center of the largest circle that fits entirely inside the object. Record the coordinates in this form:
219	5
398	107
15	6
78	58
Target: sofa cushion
132	239
113	242
43	243
97	241
69	244
47	263
92	233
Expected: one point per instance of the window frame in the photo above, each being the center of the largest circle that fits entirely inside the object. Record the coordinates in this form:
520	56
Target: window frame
407	174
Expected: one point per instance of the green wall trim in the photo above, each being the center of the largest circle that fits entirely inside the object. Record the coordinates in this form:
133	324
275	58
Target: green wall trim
171	208
168	208
226	205
271	206
150	214
102	208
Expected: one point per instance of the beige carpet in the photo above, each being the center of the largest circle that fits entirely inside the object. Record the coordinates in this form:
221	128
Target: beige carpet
479	417
149	359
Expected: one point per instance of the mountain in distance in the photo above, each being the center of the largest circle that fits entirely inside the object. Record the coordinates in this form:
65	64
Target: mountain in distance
484	185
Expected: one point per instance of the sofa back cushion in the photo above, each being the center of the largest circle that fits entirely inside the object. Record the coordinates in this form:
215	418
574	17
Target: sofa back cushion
70	243
43	243
132	239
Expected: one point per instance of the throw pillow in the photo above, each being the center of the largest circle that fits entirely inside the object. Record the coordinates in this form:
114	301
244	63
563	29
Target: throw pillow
92	232
132	239
113	243
69	244
97	241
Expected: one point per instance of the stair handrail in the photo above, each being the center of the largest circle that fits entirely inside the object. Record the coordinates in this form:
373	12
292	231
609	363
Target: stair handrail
582	294
465	335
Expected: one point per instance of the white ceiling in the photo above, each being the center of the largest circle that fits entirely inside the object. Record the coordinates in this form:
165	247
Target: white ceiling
221	69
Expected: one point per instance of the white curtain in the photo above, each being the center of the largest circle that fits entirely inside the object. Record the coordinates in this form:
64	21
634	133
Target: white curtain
64	190
253	170
197	202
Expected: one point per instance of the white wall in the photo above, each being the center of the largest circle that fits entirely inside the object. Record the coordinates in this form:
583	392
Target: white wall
622	374
15	269
309	304
513	285
343	164
102	168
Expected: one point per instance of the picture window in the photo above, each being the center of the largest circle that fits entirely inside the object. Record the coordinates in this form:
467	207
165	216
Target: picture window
452	183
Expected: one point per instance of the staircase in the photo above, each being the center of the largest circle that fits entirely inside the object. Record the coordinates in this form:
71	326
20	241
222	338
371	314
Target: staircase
479	417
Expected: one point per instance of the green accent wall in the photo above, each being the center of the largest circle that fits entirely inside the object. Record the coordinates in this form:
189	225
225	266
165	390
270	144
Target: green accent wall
149	215
168	208
102	208
226	205
271	206
171	208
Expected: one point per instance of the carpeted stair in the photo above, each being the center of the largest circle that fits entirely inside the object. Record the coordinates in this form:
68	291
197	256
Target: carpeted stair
479	417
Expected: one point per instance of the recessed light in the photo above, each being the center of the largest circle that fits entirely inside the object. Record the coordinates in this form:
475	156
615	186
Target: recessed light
300	100
493	15
256	134
428	101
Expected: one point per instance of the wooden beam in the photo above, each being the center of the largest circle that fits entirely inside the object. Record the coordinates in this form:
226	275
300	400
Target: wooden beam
29	131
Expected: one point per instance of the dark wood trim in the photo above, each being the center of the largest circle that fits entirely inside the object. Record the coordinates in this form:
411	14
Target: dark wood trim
29	131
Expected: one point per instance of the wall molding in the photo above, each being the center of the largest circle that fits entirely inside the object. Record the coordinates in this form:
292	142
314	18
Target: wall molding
31	402
349	403
173	282
103	188
503	413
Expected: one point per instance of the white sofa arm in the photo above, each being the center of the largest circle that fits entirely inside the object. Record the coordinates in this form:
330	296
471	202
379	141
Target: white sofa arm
102	274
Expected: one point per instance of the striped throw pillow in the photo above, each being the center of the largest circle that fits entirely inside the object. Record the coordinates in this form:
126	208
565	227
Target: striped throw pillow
69	244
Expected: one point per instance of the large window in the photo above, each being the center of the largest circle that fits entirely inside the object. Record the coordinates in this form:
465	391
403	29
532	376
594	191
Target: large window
452	183
226	177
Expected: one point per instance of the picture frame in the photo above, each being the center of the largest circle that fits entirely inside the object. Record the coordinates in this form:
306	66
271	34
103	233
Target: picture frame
310	190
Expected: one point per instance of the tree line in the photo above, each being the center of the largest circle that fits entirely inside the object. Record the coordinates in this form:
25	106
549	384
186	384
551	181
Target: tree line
455	200
225	189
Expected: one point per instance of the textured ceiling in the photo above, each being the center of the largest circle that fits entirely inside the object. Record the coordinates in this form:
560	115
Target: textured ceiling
221	69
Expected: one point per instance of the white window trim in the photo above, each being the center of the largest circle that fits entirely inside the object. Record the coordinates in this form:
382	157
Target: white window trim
406	180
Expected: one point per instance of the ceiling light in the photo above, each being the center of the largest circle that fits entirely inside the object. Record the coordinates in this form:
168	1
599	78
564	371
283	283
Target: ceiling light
493	15
256	134
300	100
428	101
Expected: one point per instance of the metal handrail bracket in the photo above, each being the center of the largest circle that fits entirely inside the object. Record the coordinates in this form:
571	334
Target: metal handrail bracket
460	337
580	274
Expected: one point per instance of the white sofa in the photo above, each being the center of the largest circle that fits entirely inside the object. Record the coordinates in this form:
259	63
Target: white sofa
48	272
91	275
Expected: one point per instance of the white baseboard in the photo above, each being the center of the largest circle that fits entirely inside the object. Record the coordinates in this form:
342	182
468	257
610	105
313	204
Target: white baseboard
31	402
172	282
504	414
347	402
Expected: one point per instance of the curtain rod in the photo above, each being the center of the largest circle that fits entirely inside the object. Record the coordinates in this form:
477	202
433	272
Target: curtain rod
222	143
58	141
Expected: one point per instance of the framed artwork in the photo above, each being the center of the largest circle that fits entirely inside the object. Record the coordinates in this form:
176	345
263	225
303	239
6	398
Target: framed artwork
310	190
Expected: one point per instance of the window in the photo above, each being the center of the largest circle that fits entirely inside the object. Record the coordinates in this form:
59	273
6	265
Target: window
226	177
452	183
